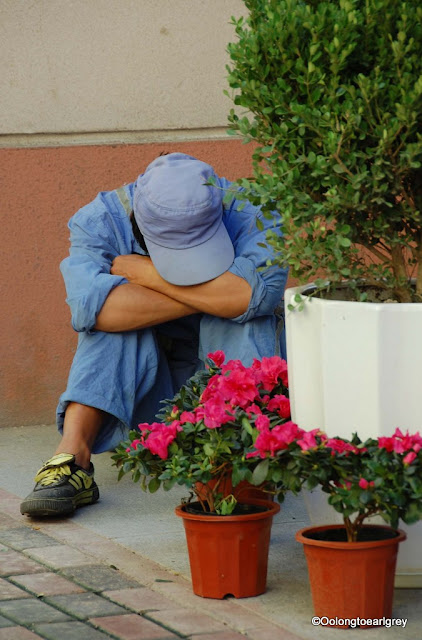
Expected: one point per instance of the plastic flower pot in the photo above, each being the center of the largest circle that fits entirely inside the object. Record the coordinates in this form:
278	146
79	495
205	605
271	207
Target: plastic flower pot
228	555
351	579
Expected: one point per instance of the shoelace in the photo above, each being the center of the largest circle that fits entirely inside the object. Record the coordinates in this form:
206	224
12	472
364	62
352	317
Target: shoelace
52	475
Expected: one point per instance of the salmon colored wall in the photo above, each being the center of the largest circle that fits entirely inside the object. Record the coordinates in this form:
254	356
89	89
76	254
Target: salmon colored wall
41	189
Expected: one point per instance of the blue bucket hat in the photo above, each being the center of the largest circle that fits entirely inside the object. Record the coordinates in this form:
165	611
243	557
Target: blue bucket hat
181	219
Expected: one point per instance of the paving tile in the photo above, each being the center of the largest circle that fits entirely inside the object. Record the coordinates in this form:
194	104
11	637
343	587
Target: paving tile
18	633
181	593
133	627
9	503
5	622
71	533
25	538
187	622
85	605
100	578
270	632
59	556
70	631
10	591
223	635
45	584
142	599
30	611
6	522
233	614
14	563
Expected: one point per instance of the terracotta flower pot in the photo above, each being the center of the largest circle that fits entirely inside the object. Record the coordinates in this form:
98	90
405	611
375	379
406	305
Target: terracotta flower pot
351	579
229	554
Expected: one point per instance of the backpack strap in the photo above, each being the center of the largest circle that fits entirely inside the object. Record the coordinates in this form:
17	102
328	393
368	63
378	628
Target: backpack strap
124	199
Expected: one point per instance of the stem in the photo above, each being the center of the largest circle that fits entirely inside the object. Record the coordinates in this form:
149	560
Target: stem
350	530
354	527
419	272
400	273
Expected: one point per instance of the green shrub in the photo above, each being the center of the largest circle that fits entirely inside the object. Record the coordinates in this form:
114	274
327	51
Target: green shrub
332	93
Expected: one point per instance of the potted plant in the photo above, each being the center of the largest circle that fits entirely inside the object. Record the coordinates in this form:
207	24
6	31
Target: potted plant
201	442
333	100
351	566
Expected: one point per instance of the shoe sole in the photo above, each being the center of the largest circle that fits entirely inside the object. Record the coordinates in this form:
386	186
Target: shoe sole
35	507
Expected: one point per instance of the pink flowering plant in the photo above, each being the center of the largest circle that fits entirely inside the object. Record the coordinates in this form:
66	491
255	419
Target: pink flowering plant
230	424
205	436
362	479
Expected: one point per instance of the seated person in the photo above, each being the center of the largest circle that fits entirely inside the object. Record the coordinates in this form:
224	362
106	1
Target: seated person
160	273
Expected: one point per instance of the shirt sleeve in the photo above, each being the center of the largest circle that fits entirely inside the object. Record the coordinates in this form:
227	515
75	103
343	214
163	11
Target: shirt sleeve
267	282
86	271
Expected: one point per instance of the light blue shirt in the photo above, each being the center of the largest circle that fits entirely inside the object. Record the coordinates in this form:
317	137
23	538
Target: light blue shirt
125	374
101	230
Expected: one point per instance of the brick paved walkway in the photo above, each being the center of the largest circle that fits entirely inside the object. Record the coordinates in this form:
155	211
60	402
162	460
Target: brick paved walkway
60	581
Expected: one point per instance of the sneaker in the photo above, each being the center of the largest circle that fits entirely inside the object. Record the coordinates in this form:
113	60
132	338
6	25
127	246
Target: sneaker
61	487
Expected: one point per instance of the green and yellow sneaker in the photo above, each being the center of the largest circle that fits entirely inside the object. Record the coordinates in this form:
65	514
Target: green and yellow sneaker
61	487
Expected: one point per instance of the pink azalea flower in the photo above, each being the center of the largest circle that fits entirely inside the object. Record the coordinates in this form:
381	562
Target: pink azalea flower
401	442
364	484
146	426
211	388
253	409
264	444
276	439
270	372
386	443
239	387
262	423
308	440
233	365
217	357
408	459
281	405
288	432
217	412
339	446
161	437
199	413
187	416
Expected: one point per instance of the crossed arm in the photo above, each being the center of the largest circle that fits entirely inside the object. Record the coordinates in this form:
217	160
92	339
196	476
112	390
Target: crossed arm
147	299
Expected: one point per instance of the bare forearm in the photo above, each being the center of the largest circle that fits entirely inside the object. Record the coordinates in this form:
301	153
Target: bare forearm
130	306
227	296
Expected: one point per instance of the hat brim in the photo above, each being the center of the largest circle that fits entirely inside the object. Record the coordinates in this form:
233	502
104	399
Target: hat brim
194	265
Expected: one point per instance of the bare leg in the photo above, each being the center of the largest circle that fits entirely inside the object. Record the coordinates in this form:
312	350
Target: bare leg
81	425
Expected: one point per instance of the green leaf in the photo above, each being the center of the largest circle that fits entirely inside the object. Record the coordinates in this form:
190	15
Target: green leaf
260	472
365	497
209	449
247	426
338	168
153	485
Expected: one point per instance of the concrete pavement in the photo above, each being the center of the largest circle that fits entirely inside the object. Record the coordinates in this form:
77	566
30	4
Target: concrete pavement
119	569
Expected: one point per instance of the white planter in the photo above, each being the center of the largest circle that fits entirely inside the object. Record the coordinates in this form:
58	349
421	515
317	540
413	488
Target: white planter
356	367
